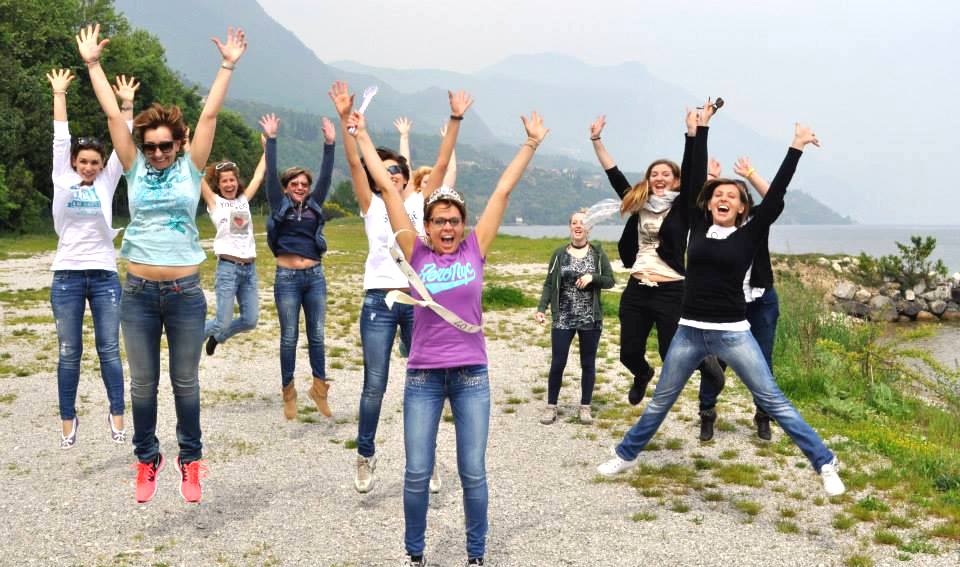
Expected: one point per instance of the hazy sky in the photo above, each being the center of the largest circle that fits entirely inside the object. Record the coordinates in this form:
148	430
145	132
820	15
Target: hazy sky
877	79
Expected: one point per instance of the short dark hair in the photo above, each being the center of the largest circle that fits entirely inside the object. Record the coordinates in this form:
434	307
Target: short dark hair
385	154
291	172
87	143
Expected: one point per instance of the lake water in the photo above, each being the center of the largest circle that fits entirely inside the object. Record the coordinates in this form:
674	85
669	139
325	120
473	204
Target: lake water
801	239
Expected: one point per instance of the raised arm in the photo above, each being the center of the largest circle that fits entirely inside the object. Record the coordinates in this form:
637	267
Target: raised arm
692	184
209	196
126	90
257	180
270	124
343	102
492	216
59	82
399	221
403	126
459	104
773	200
322	187
91	47
745	169
606	161
207	124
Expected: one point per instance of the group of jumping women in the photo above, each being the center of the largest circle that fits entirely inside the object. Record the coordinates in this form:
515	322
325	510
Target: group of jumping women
694	243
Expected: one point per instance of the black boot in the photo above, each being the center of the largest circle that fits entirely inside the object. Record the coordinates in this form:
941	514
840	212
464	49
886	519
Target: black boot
762	422
639	388
707	419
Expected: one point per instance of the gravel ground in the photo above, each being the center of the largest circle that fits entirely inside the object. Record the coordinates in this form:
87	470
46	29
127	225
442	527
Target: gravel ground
281	493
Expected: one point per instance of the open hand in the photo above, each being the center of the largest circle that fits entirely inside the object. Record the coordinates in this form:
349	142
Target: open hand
60	79
329	132
270	124
342	99
126	88
743	167
459	102
713	168
597	127
234	47
403	125
90	44
356	123
534	127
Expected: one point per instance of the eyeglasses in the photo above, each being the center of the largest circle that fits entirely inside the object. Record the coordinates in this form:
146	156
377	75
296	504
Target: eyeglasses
150	147
439	222
296	183
223	164
89	142
394	170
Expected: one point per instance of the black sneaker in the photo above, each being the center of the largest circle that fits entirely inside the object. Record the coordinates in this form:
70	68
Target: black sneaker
707	419
639	388
415	561
762	421
211	345
475	561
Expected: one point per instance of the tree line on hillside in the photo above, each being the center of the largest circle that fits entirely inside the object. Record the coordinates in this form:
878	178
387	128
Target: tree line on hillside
37	36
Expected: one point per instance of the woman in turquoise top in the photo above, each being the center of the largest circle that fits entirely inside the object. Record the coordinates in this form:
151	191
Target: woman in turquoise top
162	246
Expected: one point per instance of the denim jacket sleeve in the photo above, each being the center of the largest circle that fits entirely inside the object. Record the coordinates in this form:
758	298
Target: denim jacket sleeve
274	192
322	187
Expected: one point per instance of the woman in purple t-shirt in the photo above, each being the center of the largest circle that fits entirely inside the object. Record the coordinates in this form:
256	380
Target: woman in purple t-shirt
446	359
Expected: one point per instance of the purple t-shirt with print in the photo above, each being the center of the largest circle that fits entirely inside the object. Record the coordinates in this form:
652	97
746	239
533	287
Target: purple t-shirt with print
456	282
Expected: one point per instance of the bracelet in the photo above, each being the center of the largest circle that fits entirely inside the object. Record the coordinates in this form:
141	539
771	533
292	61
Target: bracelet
532	143
228	66
595	138
750	172
455	117
126	107
60	92
93	61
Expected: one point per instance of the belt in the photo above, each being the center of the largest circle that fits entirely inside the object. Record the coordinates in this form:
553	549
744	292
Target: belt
237	262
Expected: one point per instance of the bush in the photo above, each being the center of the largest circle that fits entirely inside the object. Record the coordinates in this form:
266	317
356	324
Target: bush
910	267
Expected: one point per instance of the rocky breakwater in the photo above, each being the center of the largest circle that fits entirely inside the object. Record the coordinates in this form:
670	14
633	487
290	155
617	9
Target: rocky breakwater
937	298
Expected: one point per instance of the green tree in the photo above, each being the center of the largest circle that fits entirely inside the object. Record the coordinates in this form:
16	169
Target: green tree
344	198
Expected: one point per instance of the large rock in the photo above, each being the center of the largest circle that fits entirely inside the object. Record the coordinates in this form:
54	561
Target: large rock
909	295
862	295
883	308
951	316
938	307
909	308
926	316
854	309
941	293
845	290
920	288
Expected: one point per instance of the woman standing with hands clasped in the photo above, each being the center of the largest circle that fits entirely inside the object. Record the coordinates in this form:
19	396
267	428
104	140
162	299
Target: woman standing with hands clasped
722	247
575	275
85	266
448	357
162	245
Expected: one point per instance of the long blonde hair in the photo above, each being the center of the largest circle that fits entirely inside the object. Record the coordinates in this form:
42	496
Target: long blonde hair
637	196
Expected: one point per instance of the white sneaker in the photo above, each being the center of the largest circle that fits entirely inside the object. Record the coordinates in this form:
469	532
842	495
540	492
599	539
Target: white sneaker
435	481
829	474
585	415
363	481
548	415
616	465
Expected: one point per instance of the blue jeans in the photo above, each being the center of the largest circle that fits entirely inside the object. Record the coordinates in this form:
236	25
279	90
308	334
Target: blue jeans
293	289
147	309
560	340
378	328
234	281
762	314
469	391
739	349
69	293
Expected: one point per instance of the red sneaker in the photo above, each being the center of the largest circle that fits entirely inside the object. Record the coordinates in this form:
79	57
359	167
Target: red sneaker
190	475
147	479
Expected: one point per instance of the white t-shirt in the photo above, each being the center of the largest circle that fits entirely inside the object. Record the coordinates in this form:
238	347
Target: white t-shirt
234	227
380	271
83	214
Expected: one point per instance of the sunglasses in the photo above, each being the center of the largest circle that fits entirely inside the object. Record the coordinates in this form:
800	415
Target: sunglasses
394	170
224	164
439	222
89	142
150	147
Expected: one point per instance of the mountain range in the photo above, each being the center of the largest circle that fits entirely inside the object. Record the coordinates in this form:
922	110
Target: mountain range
644	113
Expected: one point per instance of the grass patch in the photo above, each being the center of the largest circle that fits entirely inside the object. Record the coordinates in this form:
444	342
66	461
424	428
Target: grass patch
739	473
643	517
858	561
496	297
886	537
748	507
843	522
786	527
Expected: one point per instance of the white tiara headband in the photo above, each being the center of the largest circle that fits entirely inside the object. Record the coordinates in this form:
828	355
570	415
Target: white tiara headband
445	193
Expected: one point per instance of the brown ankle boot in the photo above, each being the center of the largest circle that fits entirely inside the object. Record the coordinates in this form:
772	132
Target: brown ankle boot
290	400
318	393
